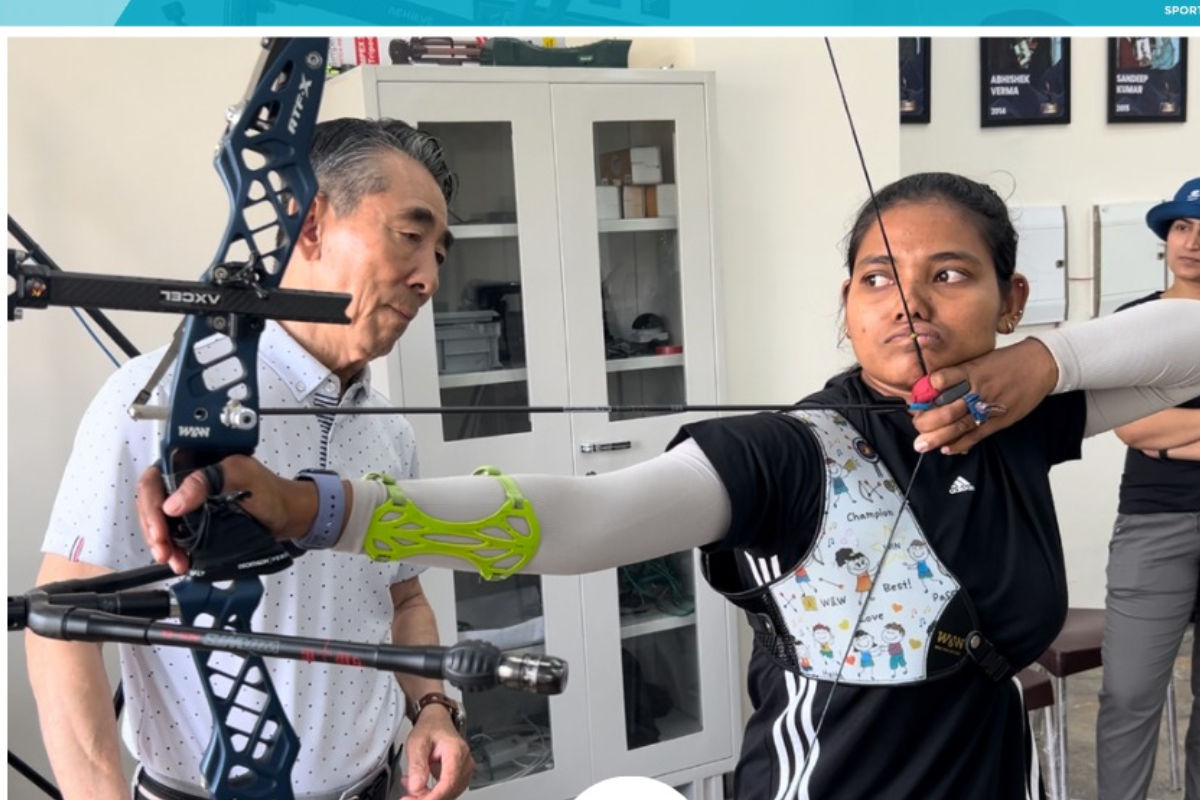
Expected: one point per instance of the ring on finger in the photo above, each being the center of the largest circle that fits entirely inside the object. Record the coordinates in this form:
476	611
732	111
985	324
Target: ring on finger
977	407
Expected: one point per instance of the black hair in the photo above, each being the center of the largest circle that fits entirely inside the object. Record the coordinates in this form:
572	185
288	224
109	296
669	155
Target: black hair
978	201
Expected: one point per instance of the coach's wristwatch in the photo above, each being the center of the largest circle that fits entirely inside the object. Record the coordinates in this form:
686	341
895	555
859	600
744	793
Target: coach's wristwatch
457	715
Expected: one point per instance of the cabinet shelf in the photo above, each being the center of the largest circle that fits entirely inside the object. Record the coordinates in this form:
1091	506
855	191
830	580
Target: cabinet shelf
655	622
460	380
637	225
484	230
643	362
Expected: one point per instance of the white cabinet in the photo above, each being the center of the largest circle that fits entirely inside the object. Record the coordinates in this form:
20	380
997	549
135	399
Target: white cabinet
561	292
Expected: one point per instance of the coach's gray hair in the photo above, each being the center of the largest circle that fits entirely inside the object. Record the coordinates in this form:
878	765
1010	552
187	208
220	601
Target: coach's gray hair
344	153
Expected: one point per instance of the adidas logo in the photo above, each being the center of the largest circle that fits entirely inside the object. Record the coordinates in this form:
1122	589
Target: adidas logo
961	485
1195	195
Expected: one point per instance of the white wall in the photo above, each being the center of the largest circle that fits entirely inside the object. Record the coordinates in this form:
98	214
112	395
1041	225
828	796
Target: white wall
1085	163
110	147
788	185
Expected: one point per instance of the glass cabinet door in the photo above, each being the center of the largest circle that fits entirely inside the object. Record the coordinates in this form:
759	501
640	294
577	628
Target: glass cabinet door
511	733
638	260
490	340
660	655
659	639
641	338
478	319
523	744
494	339
640	285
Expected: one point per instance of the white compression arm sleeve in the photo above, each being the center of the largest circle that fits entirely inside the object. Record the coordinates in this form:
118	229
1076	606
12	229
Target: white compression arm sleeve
672	502
1132	364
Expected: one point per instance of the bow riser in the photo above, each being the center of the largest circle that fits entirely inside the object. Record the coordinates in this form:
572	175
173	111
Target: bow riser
263	161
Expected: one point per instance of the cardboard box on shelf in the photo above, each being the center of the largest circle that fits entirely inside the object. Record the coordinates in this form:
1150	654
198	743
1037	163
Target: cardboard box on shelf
633	165
608	202
662	200
633	202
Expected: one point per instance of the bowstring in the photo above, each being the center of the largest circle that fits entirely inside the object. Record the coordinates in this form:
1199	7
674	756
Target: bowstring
904	504
887	245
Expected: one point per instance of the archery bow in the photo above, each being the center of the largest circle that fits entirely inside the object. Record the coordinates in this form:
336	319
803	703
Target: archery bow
263	162
213	413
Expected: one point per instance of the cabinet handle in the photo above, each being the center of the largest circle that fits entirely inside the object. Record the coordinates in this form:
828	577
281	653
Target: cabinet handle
604	447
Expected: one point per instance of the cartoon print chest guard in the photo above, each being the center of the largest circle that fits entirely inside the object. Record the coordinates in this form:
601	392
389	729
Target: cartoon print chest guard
850	612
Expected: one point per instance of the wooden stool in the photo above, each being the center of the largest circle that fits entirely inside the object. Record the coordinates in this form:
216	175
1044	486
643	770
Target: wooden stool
1038	693
1077	649
1036	689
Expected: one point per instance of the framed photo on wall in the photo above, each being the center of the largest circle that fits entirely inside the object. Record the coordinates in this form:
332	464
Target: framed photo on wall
914	78
1025	81
1147	79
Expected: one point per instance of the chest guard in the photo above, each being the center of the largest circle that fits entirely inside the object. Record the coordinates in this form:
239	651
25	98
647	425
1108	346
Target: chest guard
870	603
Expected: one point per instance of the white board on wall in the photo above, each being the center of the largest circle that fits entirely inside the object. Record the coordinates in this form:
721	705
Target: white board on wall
1042	258
1129	257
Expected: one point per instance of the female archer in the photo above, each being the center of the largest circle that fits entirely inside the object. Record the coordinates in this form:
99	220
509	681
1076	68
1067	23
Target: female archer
931	283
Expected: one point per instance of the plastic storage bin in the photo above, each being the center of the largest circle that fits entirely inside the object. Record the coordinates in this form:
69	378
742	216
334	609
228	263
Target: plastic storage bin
467	341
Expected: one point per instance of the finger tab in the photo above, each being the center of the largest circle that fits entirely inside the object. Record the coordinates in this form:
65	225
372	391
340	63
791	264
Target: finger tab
953	393
923	391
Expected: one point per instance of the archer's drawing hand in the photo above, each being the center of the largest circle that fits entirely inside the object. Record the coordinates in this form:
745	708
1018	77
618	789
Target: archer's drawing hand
285	507
1010	382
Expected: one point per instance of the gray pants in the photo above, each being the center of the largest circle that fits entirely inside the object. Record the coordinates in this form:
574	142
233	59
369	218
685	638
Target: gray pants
1153	574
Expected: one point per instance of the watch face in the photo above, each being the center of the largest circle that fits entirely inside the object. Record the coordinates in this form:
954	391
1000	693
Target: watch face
457	714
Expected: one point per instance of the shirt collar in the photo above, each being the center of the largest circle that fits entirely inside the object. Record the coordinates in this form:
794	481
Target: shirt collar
300	370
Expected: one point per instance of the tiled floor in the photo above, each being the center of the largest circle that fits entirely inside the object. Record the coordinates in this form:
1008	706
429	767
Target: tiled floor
1081	725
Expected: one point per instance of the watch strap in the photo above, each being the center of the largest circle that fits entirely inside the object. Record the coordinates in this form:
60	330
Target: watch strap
331	507
437	698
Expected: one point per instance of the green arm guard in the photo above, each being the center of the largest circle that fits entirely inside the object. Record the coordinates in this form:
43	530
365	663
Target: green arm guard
493	545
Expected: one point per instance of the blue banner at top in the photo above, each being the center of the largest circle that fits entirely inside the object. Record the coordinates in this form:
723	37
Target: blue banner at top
565	14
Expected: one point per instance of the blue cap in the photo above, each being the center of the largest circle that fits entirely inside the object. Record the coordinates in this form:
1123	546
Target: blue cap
1185	204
